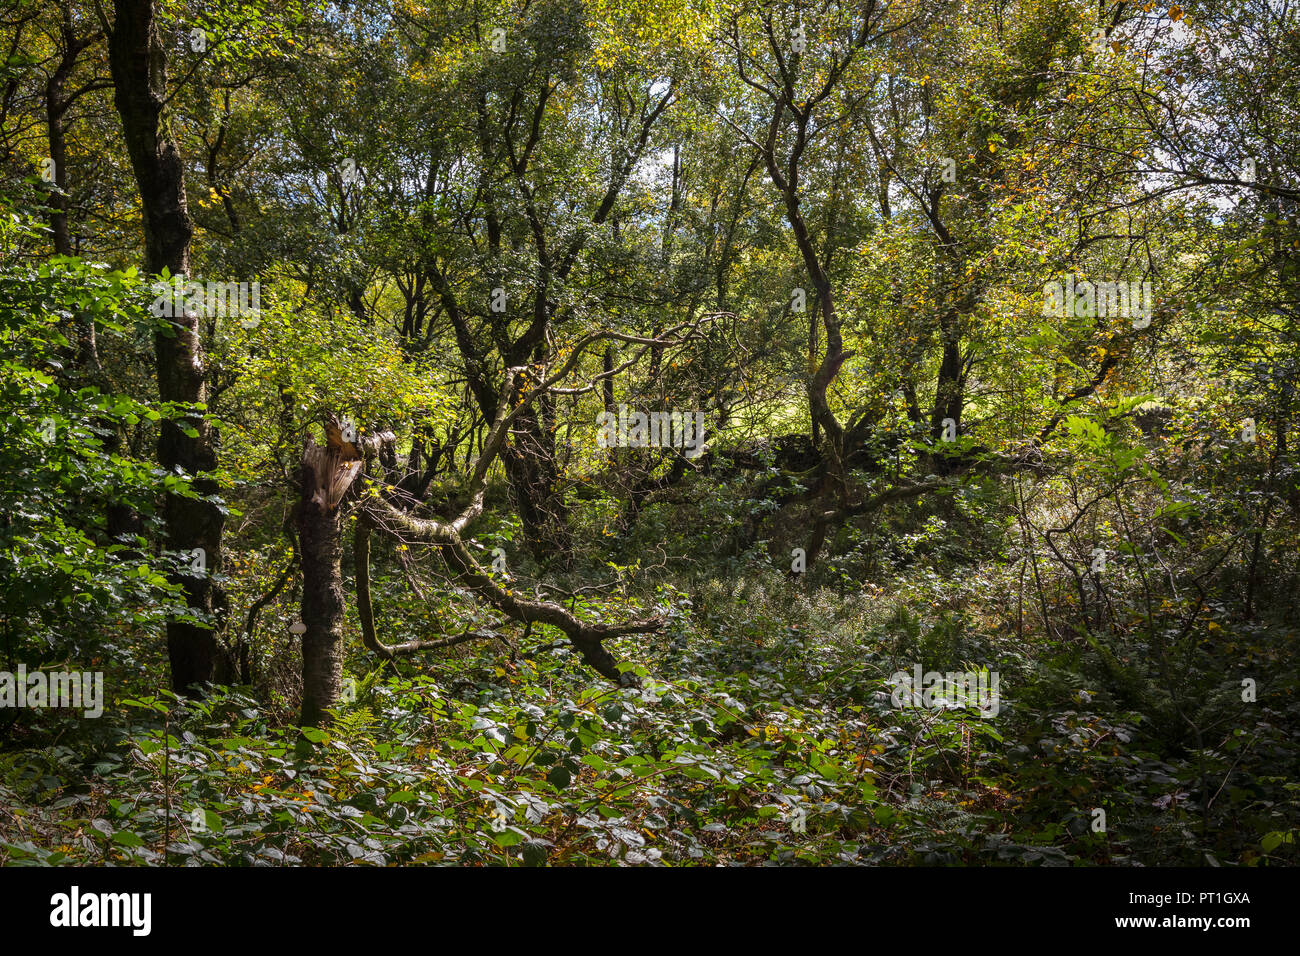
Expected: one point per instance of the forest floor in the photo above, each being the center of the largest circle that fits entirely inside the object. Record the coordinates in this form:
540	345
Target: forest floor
764	730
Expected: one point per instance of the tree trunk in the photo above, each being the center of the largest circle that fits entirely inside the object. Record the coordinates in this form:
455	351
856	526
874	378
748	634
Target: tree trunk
530	464
55	106
139	68
327	474
321	545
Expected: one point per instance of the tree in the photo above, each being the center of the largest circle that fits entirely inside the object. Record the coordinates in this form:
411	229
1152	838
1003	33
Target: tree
193	525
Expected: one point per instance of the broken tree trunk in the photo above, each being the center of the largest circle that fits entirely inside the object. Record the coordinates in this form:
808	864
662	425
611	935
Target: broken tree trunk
327	474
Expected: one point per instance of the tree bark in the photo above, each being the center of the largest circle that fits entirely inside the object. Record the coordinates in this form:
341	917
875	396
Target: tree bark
320	543
56	104
139	68
327	475
530	465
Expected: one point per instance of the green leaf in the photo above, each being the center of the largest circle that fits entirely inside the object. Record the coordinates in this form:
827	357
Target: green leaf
559	777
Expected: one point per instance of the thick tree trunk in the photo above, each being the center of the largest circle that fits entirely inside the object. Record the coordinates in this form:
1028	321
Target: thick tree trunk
321	545
530	464
55	106
327	474
139	67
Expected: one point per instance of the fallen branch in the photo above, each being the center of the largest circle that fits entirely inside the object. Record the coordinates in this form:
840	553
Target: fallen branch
366	611
587	638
